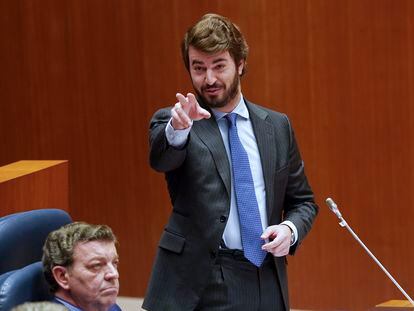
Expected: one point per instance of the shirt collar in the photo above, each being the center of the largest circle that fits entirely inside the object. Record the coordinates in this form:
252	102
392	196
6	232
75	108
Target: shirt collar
67	304
240	109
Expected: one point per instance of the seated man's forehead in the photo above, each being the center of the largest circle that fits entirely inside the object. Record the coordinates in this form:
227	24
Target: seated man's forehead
92	249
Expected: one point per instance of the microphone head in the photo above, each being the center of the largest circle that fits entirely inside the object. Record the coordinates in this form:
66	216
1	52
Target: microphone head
331	204
333	207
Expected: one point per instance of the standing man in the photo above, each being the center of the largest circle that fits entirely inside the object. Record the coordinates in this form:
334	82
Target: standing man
80	263
241	200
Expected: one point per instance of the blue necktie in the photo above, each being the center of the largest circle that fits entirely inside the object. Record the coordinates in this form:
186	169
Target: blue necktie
249	216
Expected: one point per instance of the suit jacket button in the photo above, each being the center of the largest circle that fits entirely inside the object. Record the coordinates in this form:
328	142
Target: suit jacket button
213	254
223	218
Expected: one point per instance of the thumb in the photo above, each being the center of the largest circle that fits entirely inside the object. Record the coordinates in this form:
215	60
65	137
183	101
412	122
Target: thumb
204	114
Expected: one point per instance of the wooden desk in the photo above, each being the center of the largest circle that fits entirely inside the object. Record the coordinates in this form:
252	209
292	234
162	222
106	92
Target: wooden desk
391	305
27	185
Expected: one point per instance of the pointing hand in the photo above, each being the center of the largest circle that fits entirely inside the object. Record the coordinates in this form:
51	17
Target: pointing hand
186	110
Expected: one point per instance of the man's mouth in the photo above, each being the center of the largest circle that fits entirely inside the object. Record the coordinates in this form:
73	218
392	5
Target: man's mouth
212	90
110	291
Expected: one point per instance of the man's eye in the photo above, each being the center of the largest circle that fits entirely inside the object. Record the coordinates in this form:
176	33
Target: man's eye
96	266
221	66
198	68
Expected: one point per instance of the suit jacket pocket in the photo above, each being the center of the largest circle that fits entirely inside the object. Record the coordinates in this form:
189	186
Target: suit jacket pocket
178	224
172	242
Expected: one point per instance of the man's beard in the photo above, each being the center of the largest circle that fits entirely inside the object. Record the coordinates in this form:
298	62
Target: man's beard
228	95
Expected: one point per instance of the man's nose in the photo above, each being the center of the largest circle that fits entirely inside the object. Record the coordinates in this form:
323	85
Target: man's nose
112	272
210	77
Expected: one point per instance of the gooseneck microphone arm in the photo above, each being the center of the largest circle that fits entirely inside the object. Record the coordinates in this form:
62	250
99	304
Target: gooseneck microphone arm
334	208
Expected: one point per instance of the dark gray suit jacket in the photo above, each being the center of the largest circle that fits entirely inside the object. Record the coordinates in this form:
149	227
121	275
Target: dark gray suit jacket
198	178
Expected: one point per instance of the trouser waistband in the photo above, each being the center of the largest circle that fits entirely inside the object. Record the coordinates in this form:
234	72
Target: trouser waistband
238	255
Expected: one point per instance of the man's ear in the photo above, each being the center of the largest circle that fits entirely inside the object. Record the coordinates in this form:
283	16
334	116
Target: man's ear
61	276
240	67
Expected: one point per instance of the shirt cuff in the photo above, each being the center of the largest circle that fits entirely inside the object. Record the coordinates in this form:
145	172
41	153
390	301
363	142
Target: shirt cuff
177	138
294	230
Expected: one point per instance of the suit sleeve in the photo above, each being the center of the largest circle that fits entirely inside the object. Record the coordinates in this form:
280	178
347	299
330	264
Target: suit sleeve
299	205
163	157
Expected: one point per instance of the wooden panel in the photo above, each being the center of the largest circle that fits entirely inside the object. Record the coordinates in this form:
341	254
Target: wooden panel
80	80
29	185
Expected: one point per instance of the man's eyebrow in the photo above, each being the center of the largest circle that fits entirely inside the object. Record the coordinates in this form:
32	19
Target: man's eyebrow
219	60
99	257
196	62
199	62
96	258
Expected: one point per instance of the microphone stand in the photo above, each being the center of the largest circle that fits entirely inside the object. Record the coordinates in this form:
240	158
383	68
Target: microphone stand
333	207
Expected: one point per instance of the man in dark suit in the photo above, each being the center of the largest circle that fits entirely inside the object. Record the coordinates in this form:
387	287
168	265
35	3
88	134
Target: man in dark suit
241	200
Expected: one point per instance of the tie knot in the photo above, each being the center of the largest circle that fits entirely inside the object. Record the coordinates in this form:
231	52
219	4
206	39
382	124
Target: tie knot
231	119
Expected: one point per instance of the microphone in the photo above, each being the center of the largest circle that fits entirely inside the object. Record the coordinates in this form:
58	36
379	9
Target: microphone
334	208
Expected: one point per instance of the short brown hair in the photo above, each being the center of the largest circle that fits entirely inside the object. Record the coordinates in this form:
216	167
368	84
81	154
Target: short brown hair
59	246
215	33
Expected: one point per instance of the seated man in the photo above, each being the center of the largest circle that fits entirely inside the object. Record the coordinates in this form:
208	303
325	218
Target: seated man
80	263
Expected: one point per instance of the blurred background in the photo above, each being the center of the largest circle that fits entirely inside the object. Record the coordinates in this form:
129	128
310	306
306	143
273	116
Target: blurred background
80	80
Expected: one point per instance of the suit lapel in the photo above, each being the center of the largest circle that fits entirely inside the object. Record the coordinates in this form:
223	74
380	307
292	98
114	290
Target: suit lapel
208	131
264	132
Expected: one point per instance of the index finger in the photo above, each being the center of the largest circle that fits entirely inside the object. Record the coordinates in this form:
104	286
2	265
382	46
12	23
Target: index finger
191	99
272	244
183	101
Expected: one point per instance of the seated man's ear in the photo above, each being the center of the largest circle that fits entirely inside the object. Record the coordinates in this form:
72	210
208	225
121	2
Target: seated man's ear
61	276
